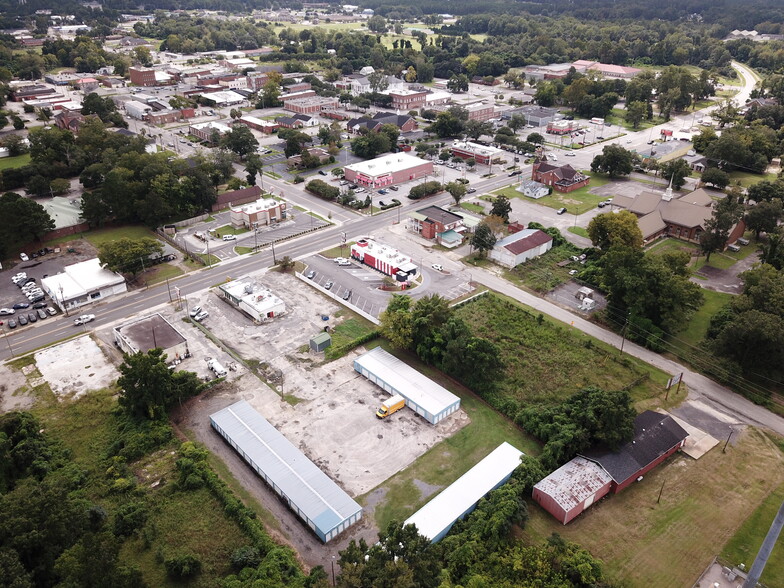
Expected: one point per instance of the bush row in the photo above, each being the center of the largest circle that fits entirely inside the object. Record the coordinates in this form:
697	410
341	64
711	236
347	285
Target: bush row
323	190
426	189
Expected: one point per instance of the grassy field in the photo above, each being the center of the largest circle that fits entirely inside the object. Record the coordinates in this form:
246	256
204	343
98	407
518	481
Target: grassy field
698	324
337	251
743	546
99	237
543	273
230	230
451	458
178	522
546	361
703	504
350	329
747	179
577	202
665	245
618	117
578	231
161	273
12	162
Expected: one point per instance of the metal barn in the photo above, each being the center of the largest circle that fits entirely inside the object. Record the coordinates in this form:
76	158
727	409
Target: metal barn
308	491
423	395
436	518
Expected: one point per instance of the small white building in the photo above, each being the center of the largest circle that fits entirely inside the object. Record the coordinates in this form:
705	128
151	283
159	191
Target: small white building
533	189
263	211
137	110
520	247
204	131
83	283
252	298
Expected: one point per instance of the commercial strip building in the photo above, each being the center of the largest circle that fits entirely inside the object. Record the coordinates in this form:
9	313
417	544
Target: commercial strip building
482	154
435	519
83	283
310	105
252	298
309	492
148	332
425	397
577	485
384	258
387	170
263	211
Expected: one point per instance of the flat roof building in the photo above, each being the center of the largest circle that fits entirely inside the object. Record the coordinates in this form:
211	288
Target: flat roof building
387	170
428	399
435	519
83	283
263	211
483	154
149	332
252	298
309	492
384	258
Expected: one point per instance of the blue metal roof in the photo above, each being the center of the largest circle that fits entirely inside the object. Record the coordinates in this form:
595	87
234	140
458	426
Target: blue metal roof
313	495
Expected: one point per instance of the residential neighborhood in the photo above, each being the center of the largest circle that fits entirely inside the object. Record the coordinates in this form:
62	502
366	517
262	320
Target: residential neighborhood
334	295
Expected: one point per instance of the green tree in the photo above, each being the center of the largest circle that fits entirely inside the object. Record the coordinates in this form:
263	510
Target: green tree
535	138
483	239
716	177
377	24
726	214
240	140
635	113
501	207
396	324
128	256
609	229
764	217
457	83
676	171
371	145
446	125
613	161
457	190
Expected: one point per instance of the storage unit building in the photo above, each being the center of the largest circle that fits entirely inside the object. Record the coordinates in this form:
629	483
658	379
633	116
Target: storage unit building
308	491
320	342
461	497
572	488
423	395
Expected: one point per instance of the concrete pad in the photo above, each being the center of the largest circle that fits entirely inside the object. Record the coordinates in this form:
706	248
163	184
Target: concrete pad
75	367
698	443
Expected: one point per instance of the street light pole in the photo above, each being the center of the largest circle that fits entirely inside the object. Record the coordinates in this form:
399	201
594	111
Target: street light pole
8	342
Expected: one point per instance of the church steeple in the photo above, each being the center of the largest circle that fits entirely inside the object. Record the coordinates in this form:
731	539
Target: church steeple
668	192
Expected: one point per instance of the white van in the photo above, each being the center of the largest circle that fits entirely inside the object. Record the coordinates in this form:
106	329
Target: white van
229	237
217	368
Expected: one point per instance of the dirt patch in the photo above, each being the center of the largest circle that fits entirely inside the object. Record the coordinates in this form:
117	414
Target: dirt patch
14	392
75	367
426	490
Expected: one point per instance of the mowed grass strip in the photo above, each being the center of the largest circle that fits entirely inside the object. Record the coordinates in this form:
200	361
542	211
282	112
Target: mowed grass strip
704	502
548	361
451	458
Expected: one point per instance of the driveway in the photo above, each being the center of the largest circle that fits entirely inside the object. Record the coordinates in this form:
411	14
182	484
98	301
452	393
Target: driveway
725	280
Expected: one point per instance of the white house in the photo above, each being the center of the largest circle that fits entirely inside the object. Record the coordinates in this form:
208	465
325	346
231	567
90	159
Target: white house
83	283
520	247
533	189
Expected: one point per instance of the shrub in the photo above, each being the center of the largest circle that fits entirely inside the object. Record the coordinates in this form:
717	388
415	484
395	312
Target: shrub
426	189
323	190
246	556
182	566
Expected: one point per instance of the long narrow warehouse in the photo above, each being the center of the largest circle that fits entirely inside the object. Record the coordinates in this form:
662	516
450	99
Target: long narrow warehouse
308	491
461	497
423	395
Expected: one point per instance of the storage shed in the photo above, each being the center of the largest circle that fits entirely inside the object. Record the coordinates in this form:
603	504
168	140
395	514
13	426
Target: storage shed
423	395
308	491
572	488
320	342
436	518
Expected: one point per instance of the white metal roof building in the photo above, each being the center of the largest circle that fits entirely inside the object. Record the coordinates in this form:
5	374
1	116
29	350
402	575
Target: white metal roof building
461	497
308	491
253	299
83	283
423	395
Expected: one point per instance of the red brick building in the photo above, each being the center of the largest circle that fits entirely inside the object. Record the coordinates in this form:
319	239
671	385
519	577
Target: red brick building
563	178
237	197
433	221
577	485
310	105
387	170
407	99
142	76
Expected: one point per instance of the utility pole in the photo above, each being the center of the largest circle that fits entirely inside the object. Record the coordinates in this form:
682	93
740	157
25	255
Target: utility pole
764	552
623	333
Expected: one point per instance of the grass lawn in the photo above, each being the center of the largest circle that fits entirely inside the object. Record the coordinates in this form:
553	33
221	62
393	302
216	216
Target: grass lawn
698	324
547	361
243	250
208	259
12	162
451	458
664	245
99	237
703	504
471	207
577	202
578	231
618	117
230	230
339	251
160	273
717	260
747	179
743	546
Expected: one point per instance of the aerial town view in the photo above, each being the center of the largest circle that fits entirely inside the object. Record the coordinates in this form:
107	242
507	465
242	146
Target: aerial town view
395	294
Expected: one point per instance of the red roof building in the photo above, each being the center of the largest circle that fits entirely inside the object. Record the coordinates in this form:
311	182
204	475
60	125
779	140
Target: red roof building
236	197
